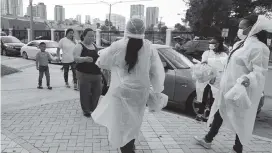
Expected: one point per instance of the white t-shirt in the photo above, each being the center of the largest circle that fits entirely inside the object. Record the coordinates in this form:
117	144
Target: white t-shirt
67	47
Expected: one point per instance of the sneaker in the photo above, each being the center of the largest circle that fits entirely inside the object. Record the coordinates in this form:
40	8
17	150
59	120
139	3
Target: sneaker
202	142
88	115
198	117
50	88
75	86
67	85
40	87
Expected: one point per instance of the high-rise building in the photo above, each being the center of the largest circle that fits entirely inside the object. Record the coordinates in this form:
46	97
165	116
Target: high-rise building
59	13
41	11
12	7
118	21
152	16
34	10
137	11
87	19
78	18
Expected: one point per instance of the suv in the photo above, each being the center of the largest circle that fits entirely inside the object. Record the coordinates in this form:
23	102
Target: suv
196	48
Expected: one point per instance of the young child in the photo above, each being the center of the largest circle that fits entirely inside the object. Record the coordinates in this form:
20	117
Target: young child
42	60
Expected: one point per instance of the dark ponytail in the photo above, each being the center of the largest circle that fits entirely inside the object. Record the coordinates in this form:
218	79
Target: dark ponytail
133	47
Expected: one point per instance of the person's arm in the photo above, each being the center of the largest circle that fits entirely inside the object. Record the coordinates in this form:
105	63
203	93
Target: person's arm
204	58
50	57
156	73
106	57
77	52
60	47
259	59
37	61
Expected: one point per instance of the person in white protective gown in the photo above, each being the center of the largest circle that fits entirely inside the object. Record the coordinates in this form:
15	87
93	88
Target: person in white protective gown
134	66
247	66
216	58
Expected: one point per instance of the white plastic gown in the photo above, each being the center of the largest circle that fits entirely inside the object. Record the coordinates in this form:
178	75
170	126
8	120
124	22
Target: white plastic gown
122	109
216	61
251	61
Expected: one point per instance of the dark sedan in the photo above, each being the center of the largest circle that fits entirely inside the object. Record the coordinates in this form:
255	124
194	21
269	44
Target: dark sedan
10	46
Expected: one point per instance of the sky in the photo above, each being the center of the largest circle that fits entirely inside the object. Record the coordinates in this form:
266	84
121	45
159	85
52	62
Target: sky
168	9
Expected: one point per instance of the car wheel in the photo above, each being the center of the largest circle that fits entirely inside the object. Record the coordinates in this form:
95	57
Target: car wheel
24	55
192	106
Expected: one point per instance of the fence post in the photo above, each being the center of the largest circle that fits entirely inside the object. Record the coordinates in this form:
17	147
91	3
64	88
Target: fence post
168	37
98	37
28	35
10	31
53	34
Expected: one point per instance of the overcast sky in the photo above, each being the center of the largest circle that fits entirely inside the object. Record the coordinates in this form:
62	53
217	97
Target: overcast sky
168	9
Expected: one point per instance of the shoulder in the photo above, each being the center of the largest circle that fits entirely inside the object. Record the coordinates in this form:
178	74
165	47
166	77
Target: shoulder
206	53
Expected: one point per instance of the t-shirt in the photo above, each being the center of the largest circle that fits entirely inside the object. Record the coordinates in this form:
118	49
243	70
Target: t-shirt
67	47
43	58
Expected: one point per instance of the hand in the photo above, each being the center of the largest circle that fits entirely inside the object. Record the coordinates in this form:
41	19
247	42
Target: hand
89	59
212	81
246	81
205	62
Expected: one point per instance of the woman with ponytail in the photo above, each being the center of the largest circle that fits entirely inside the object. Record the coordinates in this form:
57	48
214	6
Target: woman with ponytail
134	66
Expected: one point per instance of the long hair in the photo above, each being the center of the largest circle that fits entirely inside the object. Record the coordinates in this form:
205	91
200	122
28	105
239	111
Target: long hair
262	35
220	47
133	47
85	33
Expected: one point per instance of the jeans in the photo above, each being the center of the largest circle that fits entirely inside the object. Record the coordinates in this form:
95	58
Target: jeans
129	147
44	70
66	67
89	90
216	124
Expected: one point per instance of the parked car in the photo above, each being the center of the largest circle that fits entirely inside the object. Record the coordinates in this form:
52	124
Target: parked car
10	45
196	48
3	33
30	50
178	84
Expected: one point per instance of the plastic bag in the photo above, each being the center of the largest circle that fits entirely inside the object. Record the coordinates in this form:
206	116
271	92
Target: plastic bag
238	95
203	72
156	101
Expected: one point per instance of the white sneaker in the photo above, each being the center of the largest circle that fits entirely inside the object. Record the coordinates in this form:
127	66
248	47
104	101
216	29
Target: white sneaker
202	142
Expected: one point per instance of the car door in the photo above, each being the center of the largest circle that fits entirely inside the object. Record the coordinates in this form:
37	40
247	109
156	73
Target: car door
169	83
32	50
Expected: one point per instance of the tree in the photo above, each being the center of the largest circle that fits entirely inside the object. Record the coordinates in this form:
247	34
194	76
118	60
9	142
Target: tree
163	29
113	28
98	25
104	28
180	28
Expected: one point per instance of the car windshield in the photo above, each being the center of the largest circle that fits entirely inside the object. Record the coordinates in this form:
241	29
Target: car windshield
10	40
177	59
51	44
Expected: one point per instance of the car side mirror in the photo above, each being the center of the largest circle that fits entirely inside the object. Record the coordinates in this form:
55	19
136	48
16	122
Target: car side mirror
164	64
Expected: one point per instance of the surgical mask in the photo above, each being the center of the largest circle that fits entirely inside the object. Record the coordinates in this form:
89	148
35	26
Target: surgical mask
212	46
241	35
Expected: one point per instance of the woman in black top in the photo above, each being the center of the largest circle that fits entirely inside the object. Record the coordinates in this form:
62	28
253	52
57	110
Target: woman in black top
89	74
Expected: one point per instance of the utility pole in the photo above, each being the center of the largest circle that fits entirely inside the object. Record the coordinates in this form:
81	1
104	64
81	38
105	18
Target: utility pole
31	20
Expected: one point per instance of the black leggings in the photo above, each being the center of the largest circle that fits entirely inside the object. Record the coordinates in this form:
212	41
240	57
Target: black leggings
216	124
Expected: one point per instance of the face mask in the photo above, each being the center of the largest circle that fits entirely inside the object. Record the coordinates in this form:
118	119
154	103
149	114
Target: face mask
211	46
241	35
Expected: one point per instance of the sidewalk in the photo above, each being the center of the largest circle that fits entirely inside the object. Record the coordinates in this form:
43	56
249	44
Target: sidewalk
61	128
